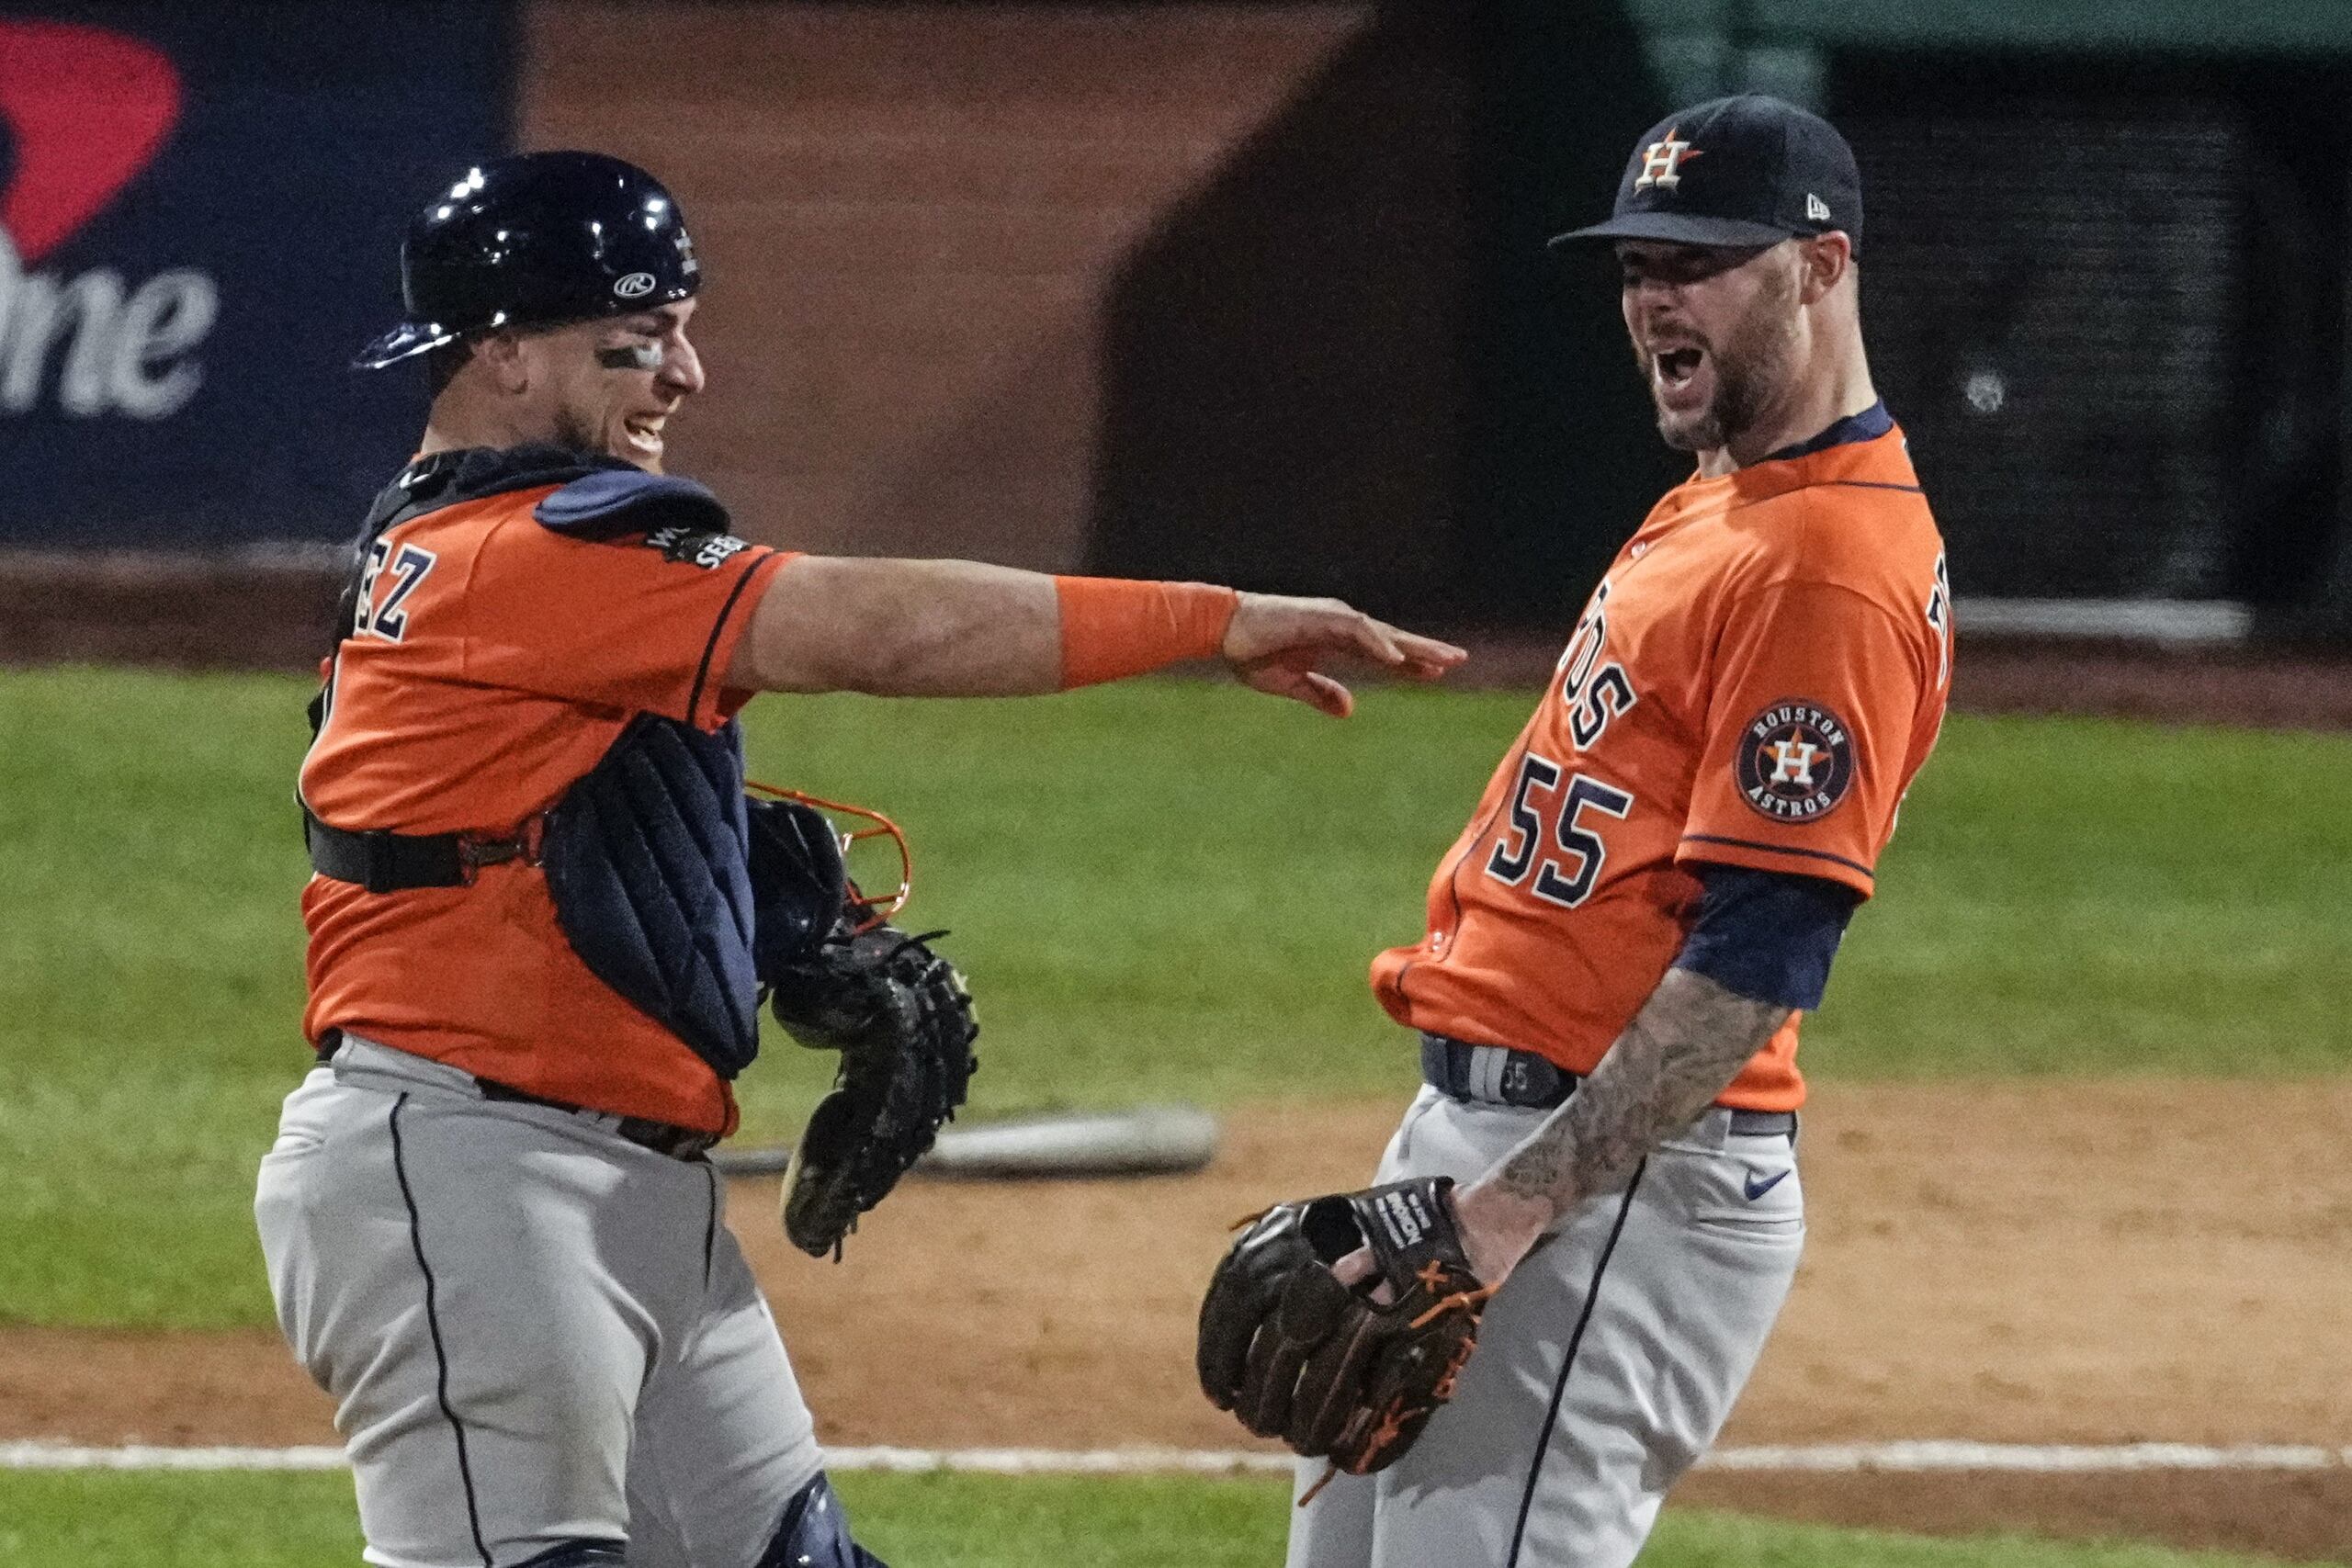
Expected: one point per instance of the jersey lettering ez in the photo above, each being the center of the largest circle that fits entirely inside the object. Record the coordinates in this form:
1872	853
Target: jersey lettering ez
387	620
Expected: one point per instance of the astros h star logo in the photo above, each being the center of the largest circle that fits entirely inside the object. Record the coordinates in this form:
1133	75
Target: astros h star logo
1795	761
1662	161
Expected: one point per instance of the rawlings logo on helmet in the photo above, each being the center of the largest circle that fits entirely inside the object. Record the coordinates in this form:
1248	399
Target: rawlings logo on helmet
635	285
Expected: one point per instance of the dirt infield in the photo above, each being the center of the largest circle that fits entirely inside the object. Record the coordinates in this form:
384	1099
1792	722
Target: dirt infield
2037	1263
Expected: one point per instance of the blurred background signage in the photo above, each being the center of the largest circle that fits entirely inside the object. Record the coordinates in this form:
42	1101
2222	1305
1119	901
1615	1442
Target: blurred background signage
199	214
1250	292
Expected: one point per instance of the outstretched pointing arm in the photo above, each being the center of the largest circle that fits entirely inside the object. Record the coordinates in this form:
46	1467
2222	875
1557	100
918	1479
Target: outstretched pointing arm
943	629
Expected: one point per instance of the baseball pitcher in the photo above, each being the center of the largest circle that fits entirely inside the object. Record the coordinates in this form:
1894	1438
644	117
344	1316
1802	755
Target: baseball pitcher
545	915
1505	1353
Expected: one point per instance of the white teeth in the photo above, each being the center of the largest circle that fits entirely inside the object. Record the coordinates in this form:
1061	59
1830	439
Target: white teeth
1665	360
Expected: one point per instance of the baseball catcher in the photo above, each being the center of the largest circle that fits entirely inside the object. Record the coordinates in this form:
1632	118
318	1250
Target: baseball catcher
841	978
540	951
1348	1371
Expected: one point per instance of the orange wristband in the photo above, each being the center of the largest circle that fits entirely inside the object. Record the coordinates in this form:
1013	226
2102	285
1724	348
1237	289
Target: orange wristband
1114	626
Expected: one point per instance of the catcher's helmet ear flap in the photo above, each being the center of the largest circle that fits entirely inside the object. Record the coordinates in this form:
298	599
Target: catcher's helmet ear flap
538	240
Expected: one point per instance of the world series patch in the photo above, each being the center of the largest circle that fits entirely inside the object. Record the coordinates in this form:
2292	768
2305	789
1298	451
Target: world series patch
694	547
1795	761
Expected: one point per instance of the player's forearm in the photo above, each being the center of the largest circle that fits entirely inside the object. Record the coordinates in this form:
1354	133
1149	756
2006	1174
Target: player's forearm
906	628
1687	1043
933	628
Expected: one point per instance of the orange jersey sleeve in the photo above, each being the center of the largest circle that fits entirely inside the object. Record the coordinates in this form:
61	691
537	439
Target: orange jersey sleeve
647	624
1808	738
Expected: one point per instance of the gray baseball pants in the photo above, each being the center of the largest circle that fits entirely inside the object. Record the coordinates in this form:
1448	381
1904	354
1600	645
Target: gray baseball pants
535	1331
1606	1364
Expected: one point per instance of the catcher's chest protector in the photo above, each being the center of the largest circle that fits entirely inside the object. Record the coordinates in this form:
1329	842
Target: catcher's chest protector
647	863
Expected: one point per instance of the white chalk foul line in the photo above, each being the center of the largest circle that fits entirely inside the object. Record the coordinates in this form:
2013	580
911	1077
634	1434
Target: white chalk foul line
144	1456
1830	1457
1062	1461
2028	1459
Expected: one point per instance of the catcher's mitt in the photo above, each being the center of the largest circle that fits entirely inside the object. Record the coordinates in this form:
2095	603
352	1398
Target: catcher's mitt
902	1020
1328	1369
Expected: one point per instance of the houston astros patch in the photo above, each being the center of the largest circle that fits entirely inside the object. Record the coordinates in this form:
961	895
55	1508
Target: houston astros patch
1795	761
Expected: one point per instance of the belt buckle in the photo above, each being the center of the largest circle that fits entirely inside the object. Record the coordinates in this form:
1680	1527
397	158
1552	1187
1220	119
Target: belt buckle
664	1137
527	845
682	1143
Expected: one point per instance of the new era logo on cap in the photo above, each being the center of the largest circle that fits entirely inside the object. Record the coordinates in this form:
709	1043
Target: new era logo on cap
1816	208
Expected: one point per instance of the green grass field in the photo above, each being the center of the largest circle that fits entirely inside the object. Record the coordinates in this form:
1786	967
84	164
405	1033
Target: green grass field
93	1521
1164	889
1160	890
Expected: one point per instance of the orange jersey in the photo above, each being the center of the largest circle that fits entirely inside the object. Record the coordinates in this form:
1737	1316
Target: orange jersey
1755	682
492	662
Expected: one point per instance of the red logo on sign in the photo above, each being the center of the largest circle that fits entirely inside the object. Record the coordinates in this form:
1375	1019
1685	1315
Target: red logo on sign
87	110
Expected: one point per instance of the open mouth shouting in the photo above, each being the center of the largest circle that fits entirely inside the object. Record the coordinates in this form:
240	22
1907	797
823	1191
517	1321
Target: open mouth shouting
1682	377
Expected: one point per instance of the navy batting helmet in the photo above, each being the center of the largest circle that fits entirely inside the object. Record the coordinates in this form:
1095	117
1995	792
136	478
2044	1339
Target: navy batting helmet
536	241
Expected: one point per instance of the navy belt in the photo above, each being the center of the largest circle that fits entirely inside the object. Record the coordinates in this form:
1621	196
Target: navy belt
661	1137
1497	1075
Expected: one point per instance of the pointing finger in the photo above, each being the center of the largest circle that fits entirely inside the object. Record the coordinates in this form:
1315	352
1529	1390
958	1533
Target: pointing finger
1377	641
1429	650
1327	695
1302	684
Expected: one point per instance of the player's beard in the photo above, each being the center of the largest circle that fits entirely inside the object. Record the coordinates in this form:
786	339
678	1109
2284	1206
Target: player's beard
576	433
588	432
1754	367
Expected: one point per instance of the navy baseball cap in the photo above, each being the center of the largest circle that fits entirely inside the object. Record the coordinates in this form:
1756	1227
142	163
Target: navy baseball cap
1744	171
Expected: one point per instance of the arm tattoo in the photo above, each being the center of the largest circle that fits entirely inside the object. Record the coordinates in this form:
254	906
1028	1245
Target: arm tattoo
1690	1039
